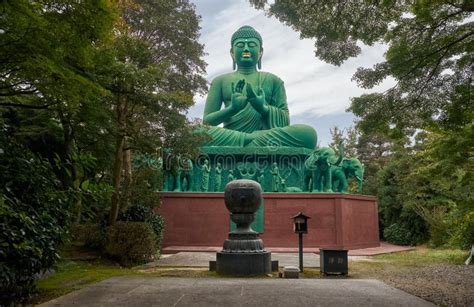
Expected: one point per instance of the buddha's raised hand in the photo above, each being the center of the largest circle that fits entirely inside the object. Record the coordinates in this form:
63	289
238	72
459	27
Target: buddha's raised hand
238	100
257	99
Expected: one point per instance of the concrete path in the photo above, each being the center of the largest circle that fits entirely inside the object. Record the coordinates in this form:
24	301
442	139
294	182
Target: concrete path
189	259
134	291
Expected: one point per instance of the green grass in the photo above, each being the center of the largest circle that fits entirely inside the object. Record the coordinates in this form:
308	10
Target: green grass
75	275
382	266
424	256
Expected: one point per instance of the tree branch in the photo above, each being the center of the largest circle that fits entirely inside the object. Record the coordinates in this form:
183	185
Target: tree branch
434	52
26	106
14	93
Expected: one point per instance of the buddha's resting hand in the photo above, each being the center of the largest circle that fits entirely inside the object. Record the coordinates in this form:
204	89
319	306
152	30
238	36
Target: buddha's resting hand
257	99
238	100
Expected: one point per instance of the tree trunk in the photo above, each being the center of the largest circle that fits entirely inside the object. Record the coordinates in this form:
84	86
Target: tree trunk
127	173
72	179
122	109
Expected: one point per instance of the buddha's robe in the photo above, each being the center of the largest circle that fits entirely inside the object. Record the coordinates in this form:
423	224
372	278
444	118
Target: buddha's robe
248	127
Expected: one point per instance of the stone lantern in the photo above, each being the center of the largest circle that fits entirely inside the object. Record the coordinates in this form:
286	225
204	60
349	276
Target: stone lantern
300	226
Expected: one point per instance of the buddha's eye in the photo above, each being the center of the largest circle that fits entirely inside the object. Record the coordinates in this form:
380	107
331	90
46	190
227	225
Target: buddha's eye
240	45
252	44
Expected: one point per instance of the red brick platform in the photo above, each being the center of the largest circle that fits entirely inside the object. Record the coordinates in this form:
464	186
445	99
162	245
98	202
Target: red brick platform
338	221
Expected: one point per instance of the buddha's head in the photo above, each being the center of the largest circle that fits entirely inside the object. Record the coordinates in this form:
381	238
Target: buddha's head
246	47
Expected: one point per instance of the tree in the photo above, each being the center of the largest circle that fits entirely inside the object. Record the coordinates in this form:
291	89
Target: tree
49	94
337	136
429	52
348	137
157	72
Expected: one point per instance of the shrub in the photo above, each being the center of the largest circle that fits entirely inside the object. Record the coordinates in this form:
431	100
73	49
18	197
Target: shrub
463	234
438	227
157	223
408	229
33	220
92	235
399	234
140	213
131	243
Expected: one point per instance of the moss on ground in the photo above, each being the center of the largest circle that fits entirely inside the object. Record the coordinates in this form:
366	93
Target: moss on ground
425	256
75	275
374	266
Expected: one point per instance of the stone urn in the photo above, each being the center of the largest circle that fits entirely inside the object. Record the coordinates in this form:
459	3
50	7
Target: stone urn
243	252
242	198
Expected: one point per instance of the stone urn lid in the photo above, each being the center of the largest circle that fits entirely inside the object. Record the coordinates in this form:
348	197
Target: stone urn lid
242	196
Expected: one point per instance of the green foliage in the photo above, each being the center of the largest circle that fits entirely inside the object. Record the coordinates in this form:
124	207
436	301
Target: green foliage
393	207
142	189
444	178
398	234
462	235
131	243
90	194
428	184
349	138
34	219
138	213
429	51
91	235
47	50
157	71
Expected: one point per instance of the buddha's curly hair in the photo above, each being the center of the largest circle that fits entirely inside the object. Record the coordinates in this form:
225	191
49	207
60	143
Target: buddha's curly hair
246	32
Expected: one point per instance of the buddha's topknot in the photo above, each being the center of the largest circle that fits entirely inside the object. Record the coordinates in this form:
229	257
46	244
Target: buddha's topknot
246	32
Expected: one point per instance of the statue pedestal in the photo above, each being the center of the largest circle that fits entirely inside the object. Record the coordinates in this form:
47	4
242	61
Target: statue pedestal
338	221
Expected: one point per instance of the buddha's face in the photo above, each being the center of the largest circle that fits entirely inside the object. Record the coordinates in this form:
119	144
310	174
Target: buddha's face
246	52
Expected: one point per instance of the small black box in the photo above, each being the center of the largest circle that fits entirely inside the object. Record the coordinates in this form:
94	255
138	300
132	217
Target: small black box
333	261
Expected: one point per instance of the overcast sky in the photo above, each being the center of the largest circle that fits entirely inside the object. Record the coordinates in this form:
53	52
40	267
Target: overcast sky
318	93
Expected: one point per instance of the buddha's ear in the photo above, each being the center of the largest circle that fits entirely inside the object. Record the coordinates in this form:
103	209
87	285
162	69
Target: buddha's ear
233	59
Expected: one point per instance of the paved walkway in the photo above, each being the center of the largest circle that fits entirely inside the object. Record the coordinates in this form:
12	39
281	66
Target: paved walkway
134	291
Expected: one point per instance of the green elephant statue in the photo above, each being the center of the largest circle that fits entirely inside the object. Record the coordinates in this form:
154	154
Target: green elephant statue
318	175
350	168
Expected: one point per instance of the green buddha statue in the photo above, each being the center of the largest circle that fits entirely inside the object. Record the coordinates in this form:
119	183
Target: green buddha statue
255	112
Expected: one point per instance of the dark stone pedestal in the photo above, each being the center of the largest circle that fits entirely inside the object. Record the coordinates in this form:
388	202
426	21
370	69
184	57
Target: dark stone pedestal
244	263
